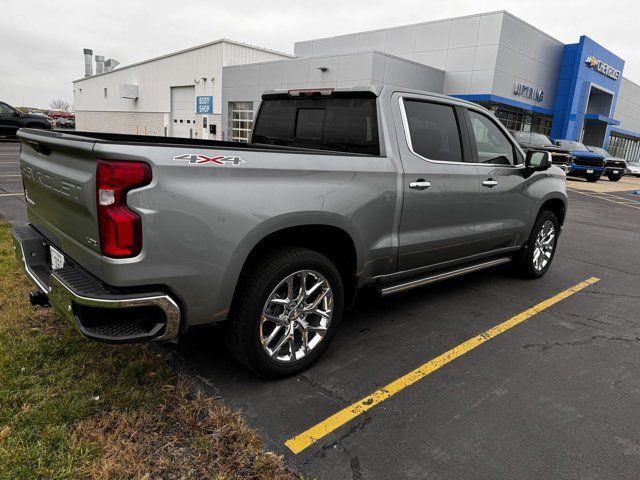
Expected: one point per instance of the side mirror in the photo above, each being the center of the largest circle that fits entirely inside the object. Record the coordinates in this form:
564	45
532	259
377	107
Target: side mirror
538	160
16	113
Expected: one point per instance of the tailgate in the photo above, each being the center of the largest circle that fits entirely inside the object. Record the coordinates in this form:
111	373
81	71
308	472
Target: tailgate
59	172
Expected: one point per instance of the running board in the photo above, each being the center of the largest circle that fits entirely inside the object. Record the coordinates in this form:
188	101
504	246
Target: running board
418	282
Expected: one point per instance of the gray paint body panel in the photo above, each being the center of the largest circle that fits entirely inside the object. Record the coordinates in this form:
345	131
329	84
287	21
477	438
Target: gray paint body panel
200	222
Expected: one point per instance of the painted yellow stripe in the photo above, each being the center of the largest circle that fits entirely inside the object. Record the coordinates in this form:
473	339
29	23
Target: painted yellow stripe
315	433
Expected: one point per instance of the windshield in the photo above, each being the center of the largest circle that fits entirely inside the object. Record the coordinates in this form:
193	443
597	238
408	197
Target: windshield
571	145
533	139
599	151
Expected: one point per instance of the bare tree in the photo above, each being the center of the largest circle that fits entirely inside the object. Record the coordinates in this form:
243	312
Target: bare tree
60	104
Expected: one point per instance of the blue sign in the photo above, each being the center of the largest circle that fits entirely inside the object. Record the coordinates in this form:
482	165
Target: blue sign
204	104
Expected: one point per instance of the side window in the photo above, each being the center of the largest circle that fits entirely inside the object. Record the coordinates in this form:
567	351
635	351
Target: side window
4	109
493	146
434	130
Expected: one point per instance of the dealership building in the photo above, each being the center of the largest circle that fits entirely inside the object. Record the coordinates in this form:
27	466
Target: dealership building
528	79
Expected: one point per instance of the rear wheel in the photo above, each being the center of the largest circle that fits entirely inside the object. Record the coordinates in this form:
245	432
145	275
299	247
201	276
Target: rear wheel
285	312
536	258
614	178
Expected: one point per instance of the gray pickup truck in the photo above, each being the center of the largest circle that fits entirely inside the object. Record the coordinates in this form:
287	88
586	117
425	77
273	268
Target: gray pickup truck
140	238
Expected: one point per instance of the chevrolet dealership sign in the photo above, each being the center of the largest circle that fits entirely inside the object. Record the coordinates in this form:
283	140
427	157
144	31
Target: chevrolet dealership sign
603	68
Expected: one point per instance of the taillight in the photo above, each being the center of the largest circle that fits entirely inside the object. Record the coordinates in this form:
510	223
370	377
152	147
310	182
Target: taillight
120	228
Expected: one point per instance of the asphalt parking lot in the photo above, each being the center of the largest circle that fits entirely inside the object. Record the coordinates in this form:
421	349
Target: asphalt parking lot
12	204
553	394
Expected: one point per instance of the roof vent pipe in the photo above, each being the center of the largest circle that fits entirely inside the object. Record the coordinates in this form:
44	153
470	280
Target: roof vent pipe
99	64
110	64
88	65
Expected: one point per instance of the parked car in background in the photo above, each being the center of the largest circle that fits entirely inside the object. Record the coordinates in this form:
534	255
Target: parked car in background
65	122
11	119
537	141
633	168
584	163
614	167
338	190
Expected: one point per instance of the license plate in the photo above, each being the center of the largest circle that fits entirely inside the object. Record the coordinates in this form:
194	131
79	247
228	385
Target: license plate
589	171
57	259
615	171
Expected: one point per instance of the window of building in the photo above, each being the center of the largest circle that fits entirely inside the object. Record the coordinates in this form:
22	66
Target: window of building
520	120
624	147
434	130
106	93
240	121
492	145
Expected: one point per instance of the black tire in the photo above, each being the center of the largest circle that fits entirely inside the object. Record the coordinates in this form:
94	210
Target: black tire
258	281
523	265
593	178
614	178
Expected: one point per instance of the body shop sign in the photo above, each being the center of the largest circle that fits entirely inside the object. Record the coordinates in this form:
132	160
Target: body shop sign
204	104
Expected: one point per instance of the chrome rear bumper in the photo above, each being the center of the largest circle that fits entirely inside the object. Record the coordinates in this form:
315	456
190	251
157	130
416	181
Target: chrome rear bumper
99	312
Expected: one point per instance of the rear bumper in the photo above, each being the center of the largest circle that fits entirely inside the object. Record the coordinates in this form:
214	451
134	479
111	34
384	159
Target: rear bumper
609	170
98	311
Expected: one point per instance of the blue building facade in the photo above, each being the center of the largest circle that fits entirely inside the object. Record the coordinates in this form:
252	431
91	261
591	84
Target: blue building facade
587	92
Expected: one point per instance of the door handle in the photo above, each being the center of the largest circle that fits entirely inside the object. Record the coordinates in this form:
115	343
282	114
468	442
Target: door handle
490	183
420	184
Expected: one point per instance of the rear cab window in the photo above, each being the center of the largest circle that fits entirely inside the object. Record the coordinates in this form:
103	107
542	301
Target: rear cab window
341	122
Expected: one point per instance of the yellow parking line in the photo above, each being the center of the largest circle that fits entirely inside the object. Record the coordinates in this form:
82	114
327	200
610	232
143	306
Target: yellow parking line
298	443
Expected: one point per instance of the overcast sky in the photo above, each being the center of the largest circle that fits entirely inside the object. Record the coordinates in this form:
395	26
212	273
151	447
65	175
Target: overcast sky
42	40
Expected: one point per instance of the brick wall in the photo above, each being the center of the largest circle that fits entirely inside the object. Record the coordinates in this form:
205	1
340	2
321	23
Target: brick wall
137	123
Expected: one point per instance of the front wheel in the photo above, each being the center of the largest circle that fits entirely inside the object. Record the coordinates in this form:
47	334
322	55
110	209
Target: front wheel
593	178
286	311
614	178
536	258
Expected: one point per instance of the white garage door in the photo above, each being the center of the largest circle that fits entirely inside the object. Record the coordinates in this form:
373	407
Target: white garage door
183	117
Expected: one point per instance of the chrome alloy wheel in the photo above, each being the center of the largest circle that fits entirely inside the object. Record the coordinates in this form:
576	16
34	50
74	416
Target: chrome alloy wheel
296	316
545	243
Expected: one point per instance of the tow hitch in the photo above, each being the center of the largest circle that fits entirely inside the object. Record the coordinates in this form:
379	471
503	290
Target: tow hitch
39	299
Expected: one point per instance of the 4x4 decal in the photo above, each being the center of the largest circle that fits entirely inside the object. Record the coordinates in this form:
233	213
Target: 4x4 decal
197	159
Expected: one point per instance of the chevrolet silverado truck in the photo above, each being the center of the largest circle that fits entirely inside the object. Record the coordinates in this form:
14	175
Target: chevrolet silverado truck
614	167
584	163
537	141
12	119
138	238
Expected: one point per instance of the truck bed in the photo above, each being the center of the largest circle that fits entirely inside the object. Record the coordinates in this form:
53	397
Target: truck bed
152	140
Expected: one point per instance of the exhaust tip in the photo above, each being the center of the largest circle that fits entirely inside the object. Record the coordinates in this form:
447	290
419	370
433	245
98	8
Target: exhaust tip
39	299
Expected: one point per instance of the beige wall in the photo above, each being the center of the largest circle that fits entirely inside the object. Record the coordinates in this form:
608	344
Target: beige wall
137	123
